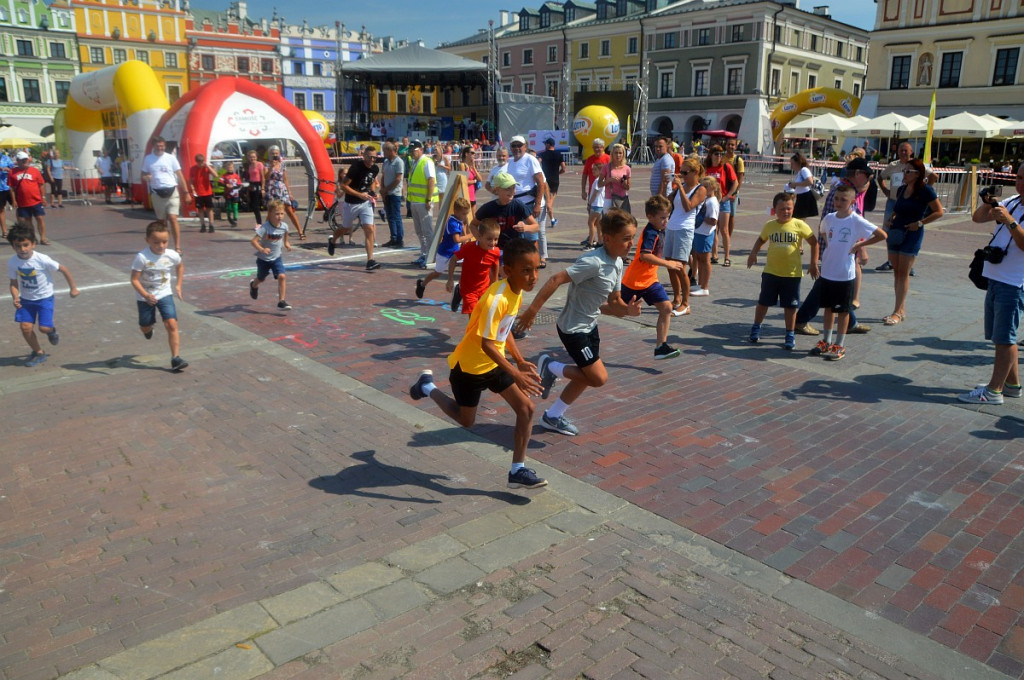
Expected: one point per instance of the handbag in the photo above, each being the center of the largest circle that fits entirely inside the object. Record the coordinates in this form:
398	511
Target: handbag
896	236
621	203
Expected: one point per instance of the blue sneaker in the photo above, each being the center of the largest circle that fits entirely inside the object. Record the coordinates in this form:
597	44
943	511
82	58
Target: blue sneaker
561	425
755	333
525	478
36	358
416	391
790	343
53	336
547	378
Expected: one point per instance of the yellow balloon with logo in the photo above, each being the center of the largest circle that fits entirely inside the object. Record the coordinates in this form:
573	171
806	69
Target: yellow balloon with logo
319	123
595	122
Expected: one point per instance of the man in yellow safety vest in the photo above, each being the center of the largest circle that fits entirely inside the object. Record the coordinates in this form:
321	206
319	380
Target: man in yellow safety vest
422	195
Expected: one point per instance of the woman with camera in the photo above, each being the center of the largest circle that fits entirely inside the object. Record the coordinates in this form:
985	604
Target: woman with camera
916	205
1004	299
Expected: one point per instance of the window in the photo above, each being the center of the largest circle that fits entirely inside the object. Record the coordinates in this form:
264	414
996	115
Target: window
3	90
570	13
667	85
796	39
447	98
839	50
584	50
171	59
553	89
814	43
142	55
527	88
545	19
57	51
838	84
300	100
267	66
734	80
382	101
606	48
552	53
1006	66
632	45
207	61
401	102
777	34
506	87
671	40
737	34
318	68
298	68
428	103
620	8
465	96
527	57
96	55
524	22
603	84
31	87
900	77
318	102
242	64
860	54
173	92
700	82
506	58
120	55
24	48
584	84
949	75
704	36
776	82
602	10
62	87
856	89
794	83
812	81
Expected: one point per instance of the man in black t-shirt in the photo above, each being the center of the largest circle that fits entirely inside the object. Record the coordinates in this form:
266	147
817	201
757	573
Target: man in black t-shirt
512	215
360	190
552	165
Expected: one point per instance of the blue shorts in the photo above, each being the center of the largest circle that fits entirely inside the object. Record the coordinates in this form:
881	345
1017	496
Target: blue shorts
265	267
32	311
727	207
652	294
31	211
1004	306
677	244
783	291
702	243
911	244
147	312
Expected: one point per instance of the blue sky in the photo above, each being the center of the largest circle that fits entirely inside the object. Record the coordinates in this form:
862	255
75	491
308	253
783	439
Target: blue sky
433	21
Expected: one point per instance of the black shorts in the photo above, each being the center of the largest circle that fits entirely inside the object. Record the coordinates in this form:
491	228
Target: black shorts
5	199
57	185
108	182
584	348
553	186
467	387
783	291
836	296
204	202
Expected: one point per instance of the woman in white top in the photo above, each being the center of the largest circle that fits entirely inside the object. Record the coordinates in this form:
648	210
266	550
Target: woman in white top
806	203
443	165
704	238
687	197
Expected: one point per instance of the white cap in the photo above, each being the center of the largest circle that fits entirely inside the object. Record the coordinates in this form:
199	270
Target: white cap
518	139
21	156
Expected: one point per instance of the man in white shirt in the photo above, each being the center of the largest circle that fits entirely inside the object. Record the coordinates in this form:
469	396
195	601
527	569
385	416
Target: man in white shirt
162	172
531	190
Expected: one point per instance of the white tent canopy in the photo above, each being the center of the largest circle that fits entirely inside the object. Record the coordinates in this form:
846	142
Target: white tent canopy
13	132
886	125
1012	128
826	123
967	125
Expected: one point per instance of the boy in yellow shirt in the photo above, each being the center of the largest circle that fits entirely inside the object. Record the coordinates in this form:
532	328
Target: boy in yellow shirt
479	362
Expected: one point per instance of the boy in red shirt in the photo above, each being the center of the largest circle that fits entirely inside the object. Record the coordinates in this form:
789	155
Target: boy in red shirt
27	184
200	179
479	267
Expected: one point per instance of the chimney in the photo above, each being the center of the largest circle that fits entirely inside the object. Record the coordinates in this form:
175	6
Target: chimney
241	10
823	11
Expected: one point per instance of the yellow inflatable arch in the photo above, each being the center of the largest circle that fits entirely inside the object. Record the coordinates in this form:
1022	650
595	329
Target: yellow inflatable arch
819	97
131	87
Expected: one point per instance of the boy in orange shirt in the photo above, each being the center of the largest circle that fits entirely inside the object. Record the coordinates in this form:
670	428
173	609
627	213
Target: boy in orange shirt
200	184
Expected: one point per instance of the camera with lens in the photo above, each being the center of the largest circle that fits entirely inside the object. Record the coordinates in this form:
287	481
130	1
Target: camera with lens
991	194
992	254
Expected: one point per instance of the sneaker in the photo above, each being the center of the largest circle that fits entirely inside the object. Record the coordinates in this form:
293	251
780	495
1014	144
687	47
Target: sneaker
790	343
178	364
981	395
371	265
589	246
859	329
416	391
834	353
700	292
53	336
755	333
420	287
389	244
547	378
36	358
283	304
212	229
805	329
525	478
585	242
912	272
202	229
819	349
456	298
884	267
554	222
148	335
330	246
254	291
560	425
420	261
665	351
1014	392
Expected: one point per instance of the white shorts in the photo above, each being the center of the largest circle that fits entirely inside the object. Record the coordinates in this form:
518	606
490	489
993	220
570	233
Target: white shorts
166	206
357	214
441	263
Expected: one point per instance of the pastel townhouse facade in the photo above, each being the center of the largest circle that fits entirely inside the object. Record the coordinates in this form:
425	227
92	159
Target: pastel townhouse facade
112	32
230	43
38	60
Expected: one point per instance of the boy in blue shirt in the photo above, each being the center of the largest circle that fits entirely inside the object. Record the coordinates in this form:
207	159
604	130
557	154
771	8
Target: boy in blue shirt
454	236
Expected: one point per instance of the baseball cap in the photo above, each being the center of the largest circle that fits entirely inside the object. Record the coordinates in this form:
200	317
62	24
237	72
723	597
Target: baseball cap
859	164
415	144
21	156
550	140
503	180
518	139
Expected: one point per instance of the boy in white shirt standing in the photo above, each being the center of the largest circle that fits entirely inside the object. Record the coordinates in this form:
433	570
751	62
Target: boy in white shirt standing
846	233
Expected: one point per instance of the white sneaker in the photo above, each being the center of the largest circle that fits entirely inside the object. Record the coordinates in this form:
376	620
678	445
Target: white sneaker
700	292
981	395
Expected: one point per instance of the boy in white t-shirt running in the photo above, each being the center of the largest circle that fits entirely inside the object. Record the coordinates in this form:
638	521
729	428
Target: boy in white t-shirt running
31	276
846	233
151	279
270	238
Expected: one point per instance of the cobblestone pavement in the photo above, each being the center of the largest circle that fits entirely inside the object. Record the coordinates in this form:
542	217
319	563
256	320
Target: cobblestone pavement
738	512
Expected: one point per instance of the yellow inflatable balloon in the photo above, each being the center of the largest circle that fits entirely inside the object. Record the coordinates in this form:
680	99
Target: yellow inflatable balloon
595	122
319	123
838	100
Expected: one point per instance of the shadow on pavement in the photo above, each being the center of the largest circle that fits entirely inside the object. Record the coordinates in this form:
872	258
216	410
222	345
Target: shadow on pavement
434	343
102	365
371	473
1007	427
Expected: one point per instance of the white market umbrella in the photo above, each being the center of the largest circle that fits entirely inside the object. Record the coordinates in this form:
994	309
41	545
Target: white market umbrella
827	123
965	124
12	135
1012	129
883	126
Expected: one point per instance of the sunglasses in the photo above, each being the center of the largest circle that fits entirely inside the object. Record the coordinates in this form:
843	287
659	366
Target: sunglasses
685	172
517	145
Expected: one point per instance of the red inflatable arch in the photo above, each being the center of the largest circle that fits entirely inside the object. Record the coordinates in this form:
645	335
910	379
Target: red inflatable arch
238	110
